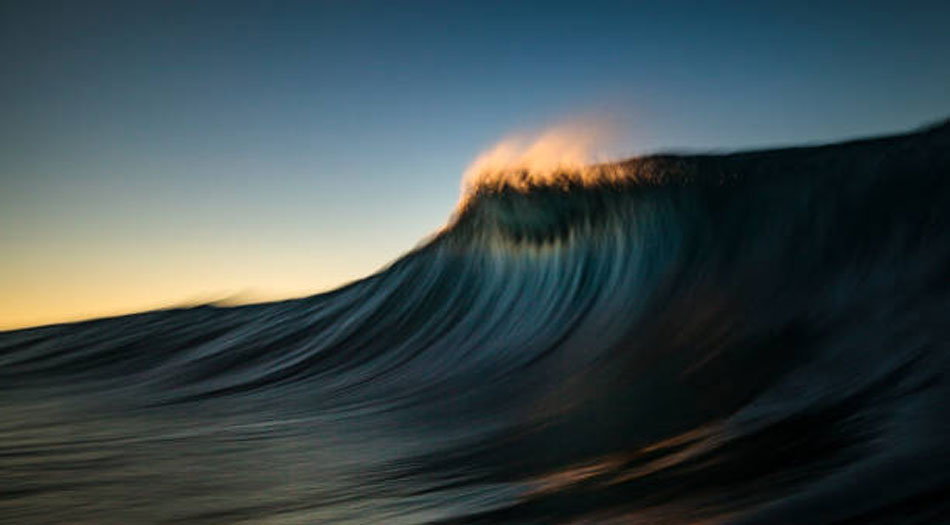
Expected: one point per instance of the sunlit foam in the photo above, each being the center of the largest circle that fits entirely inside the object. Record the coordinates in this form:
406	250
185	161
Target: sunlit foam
573	153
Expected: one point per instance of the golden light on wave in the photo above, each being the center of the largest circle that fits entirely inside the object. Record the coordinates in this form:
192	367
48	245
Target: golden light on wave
566	154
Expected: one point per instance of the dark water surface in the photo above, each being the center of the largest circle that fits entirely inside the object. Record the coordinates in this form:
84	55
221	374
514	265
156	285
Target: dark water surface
750	338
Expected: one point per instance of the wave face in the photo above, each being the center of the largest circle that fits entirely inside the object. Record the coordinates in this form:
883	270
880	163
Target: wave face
748	338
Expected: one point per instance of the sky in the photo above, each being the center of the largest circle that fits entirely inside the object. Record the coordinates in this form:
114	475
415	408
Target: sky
155	154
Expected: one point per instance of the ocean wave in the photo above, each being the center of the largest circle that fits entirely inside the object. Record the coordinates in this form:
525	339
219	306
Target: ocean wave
756	337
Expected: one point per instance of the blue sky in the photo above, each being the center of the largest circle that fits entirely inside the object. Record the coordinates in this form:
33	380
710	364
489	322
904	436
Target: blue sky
154	153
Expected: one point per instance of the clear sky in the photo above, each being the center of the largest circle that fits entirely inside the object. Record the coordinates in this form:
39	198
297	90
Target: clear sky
161	153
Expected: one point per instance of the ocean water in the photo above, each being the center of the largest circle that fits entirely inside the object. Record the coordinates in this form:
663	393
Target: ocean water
755	338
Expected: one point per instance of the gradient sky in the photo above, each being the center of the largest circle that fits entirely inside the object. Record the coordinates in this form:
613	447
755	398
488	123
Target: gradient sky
161	153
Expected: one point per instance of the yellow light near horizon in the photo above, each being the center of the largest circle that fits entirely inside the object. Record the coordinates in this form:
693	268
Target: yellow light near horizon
52	290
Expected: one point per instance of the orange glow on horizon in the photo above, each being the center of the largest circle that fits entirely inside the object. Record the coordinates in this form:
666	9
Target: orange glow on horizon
45	289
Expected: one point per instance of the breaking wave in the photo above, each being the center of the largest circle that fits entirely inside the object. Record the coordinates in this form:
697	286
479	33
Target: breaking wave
748	338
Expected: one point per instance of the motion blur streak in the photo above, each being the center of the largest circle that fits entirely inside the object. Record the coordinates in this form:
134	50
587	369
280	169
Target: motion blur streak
748	338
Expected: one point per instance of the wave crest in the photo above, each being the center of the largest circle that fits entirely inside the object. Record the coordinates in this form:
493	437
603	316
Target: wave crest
564	155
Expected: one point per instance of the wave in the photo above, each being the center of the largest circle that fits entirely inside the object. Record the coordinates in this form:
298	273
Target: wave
756	337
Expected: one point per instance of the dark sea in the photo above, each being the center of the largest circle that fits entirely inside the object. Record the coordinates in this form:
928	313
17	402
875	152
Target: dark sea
749	338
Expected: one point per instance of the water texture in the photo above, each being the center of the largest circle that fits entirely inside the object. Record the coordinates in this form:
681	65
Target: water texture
754	338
